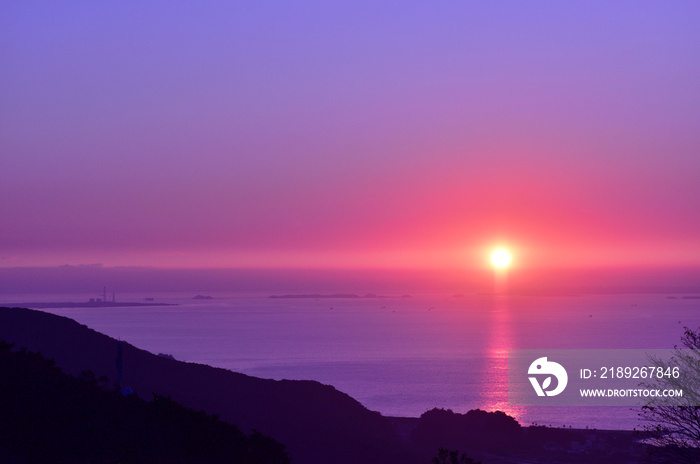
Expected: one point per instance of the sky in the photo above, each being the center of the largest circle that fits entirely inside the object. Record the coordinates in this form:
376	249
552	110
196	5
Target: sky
350	135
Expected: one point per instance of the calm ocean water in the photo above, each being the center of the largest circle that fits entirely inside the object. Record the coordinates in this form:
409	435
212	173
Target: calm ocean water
399	356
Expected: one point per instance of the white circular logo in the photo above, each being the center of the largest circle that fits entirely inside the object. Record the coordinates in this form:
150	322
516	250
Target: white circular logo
541	368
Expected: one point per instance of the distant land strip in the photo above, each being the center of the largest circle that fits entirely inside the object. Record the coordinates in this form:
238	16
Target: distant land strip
87	304
336	295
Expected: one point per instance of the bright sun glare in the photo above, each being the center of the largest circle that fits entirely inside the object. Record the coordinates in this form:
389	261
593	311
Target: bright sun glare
501	258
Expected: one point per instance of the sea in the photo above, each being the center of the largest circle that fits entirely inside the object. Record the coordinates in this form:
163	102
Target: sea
401	355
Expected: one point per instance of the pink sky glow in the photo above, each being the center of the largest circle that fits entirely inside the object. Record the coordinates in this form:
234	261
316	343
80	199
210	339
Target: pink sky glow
354	136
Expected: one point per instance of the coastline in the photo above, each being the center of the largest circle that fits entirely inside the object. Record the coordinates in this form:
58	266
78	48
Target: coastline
88	304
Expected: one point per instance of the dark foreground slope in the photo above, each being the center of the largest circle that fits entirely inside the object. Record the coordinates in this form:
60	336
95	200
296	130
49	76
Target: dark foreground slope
50	416
316	422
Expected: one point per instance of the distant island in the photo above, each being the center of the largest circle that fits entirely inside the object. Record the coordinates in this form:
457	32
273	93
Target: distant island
336	295
203	297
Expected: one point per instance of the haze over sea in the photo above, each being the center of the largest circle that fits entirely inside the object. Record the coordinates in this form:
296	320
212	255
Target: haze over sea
398	356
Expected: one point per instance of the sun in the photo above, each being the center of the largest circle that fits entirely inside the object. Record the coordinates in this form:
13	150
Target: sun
501	258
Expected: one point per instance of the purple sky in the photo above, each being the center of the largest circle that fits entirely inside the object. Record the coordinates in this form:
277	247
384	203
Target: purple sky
349	135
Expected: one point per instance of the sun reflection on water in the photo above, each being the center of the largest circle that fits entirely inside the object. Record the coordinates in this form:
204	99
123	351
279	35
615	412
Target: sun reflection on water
494	396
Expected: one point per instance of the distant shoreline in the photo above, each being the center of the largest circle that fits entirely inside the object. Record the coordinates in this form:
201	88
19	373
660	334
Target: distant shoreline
87	304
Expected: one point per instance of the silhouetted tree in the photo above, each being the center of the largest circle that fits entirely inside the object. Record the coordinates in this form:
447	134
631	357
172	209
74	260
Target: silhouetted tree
674	426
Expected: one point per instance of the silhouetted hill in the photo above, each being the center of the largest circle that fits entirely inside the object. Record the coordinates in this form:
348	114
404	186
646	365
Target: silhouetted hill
317	423
495	437
50	416
475	429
